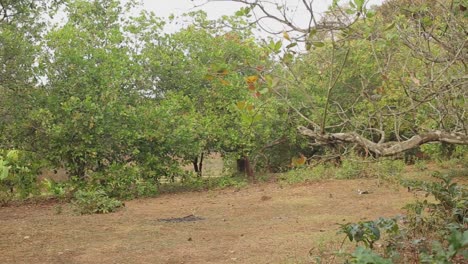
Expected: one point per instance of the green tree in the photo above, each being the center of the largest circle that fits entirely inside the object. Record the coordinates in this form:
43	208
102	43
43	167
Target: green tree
86	119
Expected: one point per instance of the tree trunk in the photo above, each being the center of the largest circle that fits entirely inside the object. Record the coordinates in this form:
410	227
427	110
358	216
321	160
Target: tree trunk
381	148
195	165
198	165
244	167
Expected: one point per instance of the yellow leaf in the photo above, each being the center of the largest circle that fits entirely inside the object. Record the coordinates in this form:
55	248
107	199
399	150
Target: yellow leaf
209	77
298	161
223	72
252	79
224	82
241	105
286	35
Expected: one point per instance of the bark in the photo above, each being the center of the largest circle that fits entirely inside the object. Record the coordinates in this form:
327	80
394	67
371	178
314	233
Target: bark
244	166
383	148
198	165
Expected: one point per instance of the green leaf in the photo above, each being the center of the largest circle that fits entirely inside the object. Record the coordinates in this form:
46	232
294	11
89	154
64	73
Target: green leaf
278	46
359	4
4	169
389	27
12	155
370	14
318	44
264	91
292	45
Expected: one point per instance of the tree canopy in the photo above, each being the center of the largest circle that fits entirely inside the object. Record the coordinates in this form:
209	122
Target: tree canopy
106	87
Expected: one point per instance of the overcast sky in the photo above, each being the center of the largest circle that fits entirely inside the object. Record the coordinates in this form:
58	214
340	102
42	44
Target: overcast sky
216	9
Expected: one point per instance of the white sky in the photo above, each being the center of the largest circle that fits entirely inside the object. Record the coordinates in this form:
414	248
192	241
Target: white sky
216	9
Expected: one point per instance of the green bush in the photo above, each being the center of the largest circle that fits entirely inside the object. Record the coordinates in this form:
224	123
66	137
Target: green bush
352	169
366	256
124	181
421	165
391	168
18	173
431	232
95	202
304	174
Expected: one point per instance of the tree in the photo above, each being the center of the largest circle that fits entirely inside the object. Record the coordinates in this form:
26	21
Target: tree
88	110
21	26
219	74
387	79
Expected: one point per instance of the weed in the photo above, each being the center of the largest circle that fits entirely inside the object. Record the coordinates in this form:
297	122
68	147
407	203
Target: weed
224	182
124	182
421	165
306	174
352	169
443	222
95	202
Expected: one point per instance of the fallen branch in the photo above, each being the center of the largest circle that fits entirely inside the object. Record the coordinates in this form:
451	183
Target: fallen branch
383	148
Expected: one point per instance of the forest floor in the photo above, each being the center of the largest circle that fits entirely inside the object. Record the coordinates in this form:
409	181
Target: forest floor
261	223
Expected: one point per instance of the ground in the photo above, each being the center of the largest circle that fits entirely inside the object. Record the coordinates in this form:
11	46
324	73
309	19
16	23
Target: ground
261	223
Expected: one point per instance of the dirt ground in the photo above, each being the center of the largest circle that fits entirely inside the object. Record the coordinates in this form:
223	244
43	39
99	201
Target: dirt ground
263	223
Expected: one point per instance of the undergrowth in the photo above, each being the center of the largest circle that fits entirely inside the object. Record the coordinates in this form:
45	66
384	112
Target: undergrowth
432	231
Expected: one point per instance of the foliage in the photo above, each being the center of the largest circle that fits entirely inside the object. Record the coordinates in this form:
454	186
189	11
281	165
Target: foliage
443	223
421	165
305	174
369	232
364	255
122	105
457	245
452	201
56	189
191	183
124	182
352	169
18	175
95	202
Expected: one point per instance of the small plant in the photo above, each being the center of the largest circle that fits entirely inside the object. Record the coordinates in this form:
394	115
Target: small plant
17	174
368	232
457	248
54	188
364	255
95	202
352	169
392	168
409	239
124	181
421	165
304	174
224	182
452	206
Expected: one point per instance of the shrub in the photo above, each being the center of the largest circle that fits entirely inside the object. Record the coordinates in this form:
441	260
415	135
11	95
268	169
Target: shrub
409	241
95	202
392	168
421	165
225	182
18	173
304	174
123	181
366	256
352	169
55	189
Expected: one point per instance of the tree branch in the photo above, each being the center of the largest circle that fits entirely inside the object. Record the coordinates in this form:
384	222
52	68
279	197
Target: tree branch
381	148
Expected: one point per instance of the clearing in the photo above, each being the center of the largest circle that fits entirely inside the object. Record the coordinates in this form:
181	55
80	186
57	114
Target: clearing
262	223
